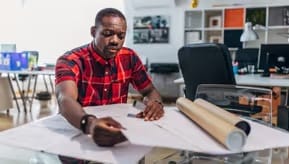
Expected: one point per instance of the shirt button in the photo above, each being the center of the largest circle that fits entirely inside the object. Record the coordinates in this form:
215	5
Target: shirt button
105	89
106	73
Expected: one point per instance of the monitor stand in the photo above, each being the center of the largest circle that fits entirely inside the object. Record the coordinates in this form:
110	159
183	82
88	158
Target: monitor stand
266	72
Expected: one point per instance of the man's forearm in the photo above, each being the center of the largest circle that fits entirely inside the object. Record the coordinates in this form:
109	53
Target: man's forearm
70	109
153	95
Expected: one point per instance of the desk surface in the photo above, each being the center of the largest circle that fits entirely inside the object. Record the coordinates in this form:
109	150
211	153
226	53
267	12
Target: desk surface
44	72
254	80
16	155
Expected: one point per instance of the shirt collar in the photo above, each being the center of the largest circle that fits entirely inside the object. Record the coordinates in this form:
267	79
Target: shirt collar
98	57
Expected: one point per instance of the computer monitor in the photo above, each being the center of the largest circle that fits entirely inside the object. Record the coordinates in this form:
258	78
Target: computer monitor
271	53
247	56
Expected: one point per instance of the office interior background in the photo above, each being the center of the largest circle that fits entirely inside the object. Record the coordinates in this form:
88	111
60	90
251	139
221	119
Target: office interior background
53	27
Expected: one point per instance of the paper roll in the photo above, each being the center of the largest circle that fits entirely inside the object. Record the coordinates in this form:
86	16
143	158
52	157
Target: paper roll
229	117
227	134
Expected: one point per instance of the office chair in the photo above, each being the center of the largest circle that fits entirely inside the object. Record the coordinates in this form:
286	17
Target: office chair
205	63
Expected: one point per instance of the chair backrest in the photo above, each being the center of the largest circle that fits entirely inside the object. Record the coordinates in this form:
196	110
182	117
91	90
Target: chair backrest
205	63
247	56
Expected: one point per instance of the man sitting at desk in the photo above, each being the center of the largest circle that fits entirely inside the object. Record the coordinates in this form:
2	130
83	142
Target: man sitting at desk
99	73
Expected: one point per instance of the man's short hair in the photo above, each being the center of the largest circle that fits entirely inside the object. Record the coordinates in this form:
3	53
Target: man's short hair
107	12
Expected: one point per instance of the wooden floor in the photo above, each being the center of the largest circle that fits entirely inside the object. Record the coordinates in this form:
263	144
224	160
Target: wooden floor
14	118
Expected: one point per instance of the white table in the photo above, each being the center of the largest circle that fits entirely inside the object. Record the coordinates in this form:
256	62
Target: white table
23	97
254	80
251	80
258	80
29	149
16	155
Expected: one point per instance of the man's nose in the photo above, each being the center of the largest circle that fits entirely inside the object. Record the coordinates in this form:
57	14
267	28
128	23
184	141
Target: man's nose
114	39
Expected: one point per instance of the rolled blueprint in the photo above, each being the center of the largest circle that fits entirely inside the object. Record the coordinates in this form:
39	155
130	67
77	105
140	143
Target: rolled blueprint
224	132
229	117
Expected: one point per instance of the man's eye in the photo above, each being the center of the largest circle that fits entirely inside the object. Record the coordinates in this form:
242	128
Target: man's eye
121	36
107	33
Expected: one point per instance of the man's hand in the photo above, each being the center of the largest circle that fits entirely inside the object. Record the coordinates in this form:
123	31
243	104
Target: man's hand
106	131
153	111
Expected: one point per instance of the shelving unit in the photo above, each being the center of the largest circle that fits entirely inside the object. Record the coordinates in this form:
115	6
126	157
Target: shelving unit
225	25
230	18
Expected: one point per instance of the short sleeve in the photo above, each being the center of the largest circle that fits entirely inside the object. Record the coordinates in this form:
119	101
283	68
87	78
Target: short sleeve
140	77
66	70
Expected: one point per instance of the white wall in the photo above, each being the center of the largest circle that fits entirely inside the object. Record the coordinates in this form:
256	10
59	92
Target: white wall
49	26
155	52
55	26
175	9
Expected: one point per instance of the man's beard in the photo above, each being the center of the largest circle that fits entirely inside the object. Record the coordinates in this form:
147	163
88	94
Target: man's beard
107	52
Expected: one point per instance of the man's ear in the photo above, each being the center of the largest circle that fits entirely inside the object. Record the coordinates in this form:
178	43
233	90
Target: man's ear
92	31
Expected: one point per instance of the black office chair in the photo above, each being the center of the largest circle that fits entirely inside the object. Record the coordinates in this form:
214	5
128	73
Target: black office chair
205	63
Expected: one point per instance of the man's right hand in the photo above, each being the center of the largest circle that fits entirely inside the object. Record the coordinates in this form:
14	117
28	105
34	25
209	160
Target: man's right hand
106	131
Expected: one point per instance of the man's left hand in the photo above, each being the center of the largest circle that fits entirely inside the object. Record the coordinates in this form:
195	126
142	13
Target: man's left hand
153	111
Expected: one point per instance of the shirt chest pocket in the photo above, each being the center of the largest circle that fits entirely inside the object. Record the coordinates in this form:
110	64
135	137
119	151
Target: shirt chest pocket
119	91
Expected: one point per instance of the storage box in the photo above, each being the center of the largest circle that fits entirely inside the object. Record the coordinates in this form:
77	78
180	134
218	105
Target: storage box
24	60
10	61
1	62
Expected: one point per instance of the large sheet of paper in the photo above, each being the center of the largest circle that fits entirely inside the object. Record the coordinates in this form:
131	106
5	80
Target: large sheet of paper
177	131
55	135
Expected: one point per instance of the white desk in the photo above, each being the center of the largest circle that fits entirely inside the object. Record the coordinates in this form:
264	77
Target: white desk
11	154
57	129
23	97
258	80
251	80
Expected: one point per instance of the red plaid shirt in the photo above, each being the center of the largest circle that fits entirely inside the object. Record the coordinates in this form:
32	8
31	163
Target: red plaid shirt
101	81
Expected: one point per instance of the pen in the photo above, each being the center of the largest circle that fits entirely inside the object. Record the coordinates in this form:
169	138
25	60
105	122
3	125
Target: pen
139	106
131	115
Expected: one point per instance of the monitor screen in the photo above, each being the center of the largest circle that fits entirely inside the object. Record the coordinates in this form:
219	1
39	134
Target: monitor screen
275	53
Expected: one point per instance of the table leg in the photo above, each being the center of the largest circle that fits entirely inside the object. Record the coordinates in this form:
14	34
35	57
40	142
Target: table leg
13	92
33	92
51	84
45	83
28	87
286	97
21	93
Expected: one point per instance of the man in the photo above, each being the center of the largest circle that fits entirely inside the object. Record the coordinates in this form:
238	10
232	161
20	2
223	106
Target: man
98	74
